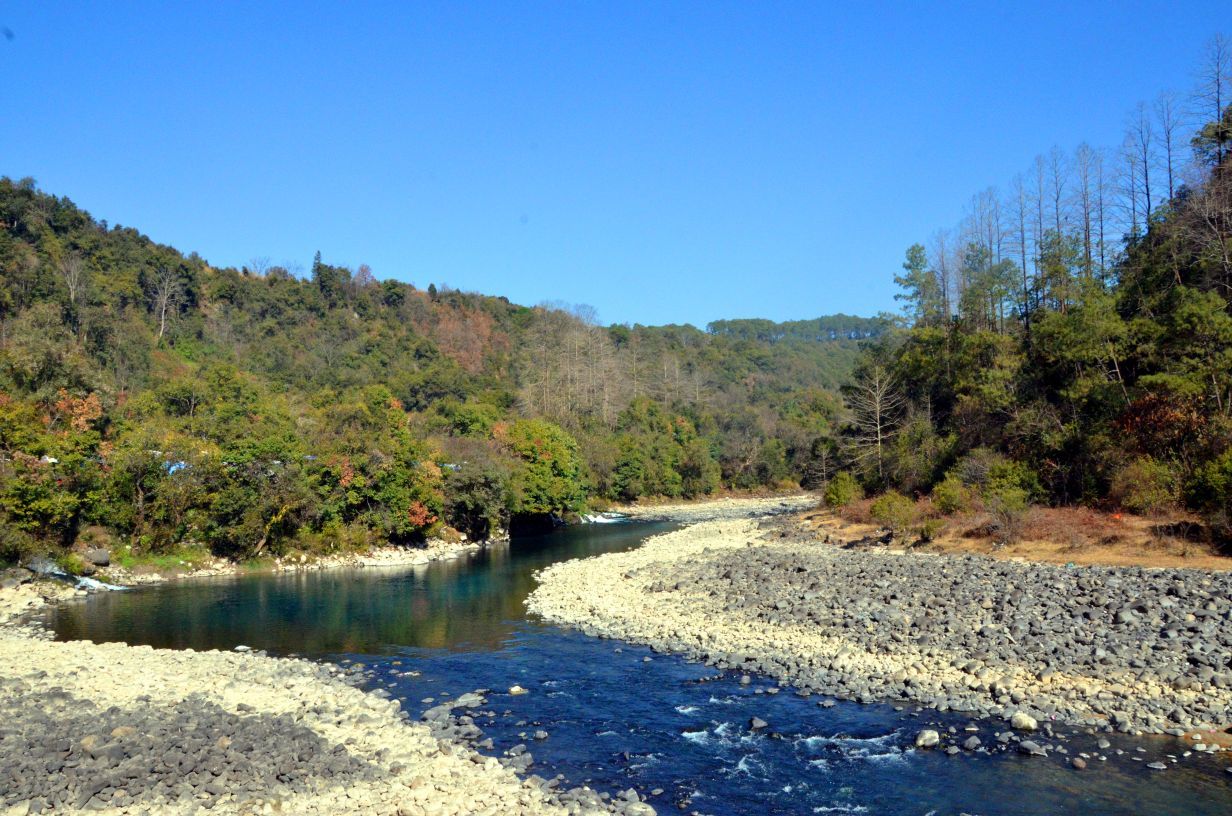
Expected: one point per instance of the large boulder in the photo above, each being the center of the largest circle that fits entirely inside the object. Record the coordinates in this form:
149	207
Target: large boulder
927	738
1022	721
98	556
13	578
43	566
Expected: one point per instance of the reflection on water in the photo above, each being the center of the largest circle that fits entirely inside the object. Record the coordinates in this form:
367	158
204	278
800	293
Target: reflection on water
471	602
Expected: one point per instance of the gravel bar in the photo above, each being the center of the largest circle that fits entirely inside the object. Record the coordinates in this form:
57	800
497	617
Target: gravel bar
1138	650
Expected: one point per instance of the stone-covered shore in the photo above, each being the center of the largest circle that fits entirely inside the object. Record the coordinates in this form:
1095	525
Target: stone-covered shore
110	728
1138	650
433	550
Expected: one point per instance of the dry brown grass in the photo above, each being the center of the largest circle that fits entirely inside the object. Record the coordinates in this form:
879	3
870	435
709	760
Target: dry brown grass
1059	535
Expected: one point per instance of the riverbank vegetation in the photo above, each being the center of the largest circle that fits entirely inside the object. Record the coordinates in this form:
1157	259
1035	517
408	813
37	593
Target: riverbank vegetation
1070	343
165	404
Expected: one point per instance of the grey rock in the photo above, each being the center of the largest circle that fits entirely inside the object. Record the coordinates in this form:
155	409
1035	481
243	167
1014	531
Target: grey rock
43	566
1030	748
98	556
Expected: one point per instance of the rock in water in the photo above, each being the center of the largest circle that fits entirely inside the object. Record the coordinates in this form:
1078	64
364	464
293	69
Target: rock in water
972	743
1030	748
1157	766
1023	721
757	724
1078	762
516	690
927	738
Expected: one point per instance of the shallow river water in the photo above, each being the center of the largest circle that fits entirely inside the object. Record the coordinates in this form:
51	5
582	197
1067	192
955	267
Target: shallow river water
615	719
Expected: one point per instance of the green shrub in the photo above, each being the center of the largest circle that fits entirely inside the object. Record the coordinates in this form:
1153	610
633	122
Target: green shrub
842	490
1145	486
1009	474
930	529
951	496
15	545
73	564
894	511
1008	505
1210	493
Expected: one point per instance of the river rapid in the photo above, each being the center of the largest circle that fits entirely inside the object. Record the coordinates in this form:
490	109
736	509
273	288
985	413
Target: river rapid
619	716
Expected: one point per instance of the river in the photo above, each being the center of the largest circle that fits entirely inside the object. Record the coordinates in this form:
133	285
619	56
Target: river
618	715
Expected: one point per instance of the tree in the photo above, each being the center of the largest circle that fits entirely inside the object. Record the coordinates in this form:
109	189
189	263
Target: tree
1212	98
167	289
922	291
1086	162
76	276
1020	208
894	511
1169	124
548	478
1141	139
876	405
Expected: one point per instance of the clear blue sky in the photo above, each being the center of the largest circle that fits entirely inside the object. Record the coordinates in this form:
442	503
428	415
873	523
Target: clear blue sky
664	162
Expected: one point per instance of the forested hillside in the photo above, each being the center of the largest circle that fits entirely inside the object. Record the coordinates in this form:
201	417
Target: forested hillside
1070	341
147	395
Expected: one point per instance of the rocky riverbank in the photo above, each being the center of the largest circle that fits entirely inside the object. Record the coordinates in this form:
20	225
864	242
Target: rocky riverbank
726	508
434	550
109	728
1137	650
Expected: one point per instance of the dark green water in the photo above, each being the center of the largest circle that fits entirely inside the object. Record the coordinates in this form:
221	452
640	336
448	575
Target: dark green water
616	720
471	603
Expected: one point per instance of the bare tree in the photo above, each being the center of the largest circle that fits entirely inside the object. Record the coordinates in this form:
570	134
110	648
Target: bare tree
943	267
1142	140
1038	193
1212	93
1058	173
1210	223
260	266
168	288
1101	188
1168	118
1128	187
1018	204
363	277
76	277
986	221
876	405
1085	161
